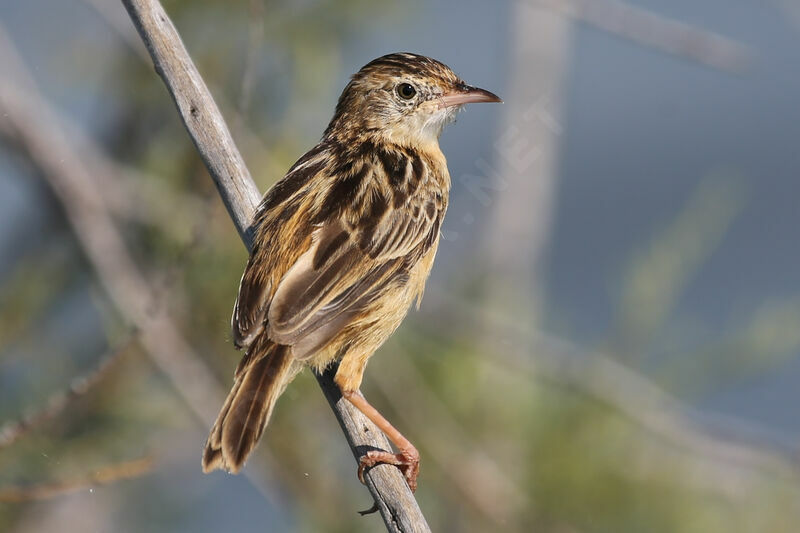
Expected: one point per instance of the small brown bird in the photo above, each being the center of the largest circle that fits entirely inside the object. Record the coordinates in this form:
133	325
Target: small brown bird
343	246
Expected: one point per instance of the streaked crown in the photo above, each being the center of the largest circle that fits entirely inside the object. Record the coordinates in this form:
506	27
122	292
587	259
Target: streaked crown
401	98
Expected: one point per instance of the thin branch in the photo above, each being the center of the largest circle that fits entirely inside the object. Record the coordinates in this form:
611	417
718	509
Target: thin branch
650	29
393	498
118	21
11	431
199	113
103	476
210	134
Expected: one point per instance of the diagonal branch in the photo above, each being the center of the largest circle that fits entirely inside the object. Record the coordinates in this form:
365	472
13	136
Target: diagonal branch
213	140
102	476
647	28
11	431
714	438
26	118
199	113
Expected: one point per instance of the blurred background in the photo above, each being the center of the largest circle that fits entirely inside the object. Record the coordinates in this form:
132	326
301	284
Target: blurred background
610	340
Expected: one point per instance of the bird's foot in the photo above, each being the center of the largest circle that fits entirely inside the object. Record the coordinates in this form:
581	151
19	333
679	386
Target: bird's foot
406	460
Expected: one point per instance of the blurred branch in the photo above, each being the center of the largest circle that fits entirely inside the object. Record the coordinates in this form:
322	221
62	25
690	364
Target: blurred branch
26	117
133	196
130	194
103	476
768	338
210	134
717	438
650	29
30	121
791	9
119	22
11	431
255	38
27	291
659	272
112	15
526	154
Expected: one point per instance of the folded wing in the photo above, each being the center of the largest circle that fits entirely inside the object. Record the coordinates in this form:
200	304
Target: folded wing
364	242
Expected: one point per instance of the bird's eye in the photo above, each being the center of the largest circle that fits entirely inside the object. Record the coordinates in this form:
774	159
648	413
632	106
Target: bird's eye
406	91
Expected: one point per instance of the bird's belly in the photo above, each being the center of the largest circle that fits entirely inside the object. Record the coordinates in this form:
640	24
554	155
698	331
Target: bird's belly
370	328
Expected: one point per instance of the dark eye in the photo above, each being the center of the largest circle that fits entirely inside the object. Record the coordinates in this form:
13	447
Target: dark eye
406	91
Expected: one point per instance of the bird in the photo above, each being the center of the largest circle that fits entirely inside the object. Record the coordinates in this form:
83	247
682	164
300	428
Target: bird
343	245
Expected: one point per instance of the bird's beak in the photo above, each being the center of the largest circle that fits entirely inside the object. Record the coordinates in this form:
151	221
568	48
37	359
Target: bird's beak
466	94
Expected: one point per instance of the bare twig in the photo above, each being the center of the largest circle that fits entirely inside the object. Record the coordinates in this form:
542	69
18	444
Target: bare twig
210	134
199	113
103	476
11	431
650	29
117	19
393	498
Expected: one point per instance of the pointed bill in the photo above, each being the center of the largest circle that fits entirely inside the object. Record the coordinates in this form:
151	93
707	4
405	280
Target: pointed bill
467	94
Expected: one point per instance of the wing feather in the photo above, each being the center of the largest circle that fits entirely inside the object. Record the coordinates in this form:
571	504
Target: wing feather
257	284
358	242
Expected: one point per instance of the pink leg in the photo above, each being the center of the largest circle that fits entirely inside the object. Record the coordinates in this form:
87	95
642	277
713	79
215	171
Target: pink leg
407	458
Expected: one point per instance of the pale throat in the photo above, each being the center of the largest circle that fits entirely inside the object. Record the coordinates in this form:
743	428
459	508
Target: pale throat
422	129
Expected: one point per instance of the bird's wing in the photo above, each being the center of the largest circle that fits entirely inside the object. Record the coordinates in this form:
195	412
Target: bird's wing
365	243
280	237
329	240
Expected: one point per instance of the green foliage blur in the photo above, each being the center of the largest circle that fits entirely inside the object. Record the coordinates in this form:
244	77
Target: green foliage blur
509	440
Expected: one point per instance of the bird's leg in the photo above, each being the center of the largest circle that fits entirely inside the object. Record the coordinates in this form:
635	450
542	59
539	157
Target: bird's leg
407	458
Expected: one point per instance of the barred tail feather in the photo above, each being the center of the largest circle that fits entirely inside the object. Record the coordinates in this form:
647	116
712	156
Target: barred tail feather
246	411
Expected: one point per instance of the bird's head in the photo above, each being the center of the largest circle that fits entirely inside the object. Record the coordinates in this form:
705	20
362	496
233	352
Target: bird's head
402	98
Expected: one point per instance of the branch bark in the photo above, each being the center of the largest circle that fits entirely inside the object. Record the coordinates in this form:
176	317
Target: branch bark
213	140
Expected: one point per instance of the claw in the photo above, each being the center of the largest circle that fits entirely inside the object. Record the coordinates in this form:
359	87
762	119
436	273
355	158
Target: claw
408	458
373	509
407	461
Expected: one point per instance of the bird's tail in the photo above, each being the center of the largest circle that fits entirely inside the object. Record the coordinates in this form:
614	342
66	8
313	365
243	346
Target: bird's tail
260	379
